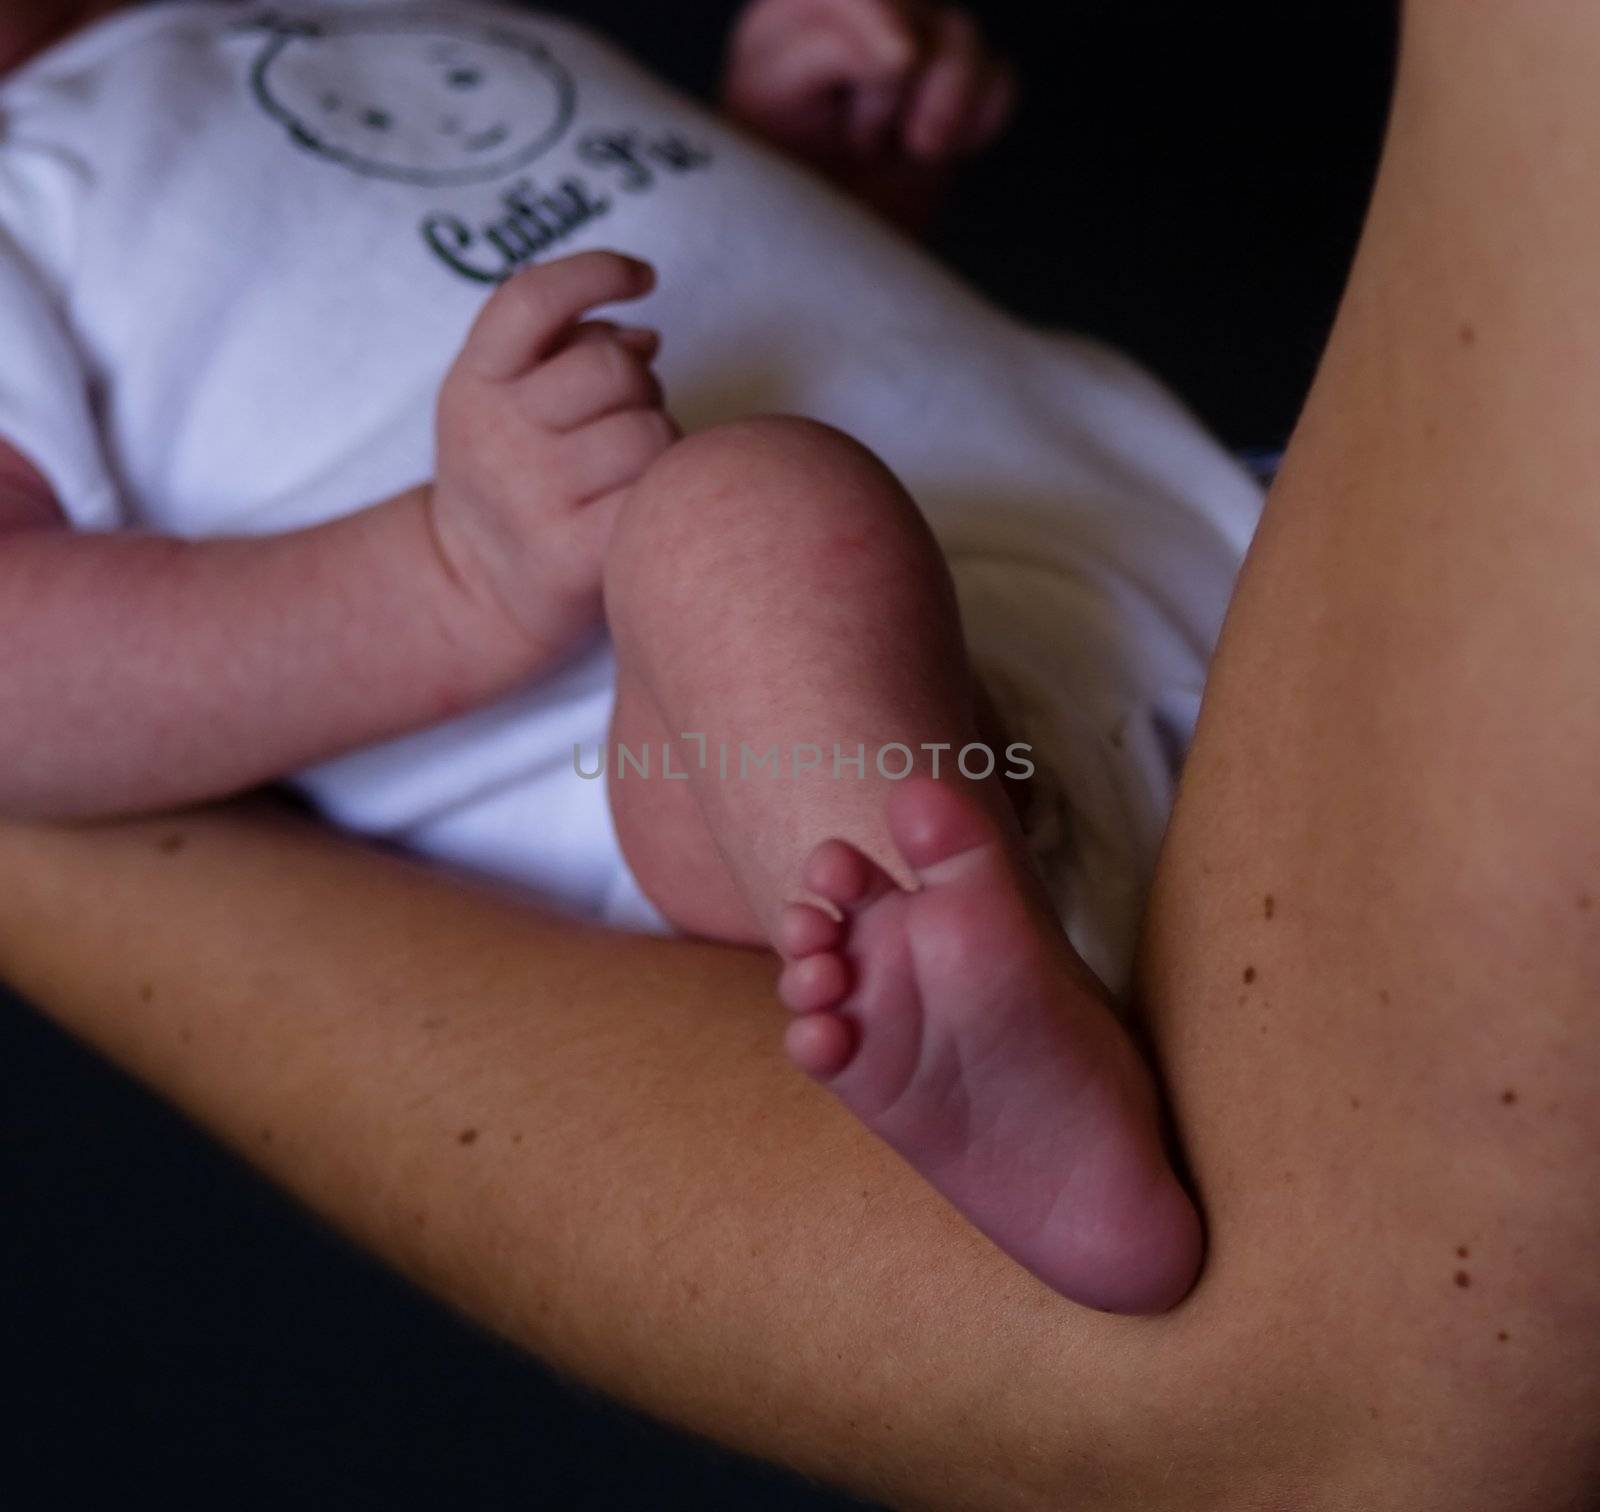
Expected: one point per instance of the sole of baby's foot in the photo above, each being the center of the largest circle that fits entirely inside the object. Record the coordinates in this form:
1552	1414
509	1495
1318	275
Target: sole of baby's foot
959	1025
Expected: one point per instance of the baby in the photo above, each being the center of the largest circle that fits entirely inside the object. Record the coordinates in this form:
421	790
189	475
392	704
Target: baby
298	334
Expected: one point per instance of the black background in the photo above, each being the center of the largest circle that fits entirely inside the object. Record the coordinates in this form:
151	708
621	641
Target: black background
1186	181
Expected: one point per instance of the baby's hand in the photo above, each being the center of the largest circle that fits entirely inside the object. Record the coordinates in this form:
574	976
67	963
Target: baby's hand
543	423
885	95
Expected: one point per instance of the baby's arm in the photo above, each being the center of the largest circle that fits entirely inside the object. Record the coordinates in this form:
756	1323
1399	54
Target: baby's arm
141	672
886	97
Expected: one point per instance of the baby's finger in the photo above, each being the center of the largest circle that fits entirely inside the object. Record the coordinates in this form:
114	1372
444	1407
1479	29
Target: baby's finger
949	91
597	374
887	33
591	330
791	55
873	111
803	74
613	451
997	103
879	37
642	341
531	312
588	530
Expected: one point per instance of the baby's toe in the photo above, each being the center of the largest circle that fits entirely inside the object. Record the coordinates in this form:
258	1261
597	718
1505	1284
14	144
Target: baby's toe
931	821
820	1044
814	982
844	876
805	930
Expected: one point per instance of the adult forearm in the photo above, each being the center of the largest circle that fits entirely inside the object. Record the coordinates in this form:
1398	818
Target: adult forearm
592	1144
142	672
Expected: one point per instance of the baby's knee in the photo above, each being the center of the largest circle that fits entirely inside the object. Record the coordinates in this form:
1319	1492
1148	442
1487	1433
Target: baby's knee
767	489
732	476
763	451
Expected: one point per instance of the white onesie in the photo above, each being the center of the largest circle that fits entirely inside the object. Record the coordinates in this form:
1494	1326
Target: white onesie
241	243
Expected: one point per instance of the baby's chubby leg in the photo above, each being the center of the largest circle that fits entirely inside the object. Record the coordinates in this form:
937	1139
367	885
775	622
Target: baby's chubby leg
780	610
789	649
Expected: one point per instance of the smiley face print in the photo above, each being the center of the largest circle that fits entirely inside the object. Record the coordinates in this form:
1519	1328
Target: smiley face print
419	100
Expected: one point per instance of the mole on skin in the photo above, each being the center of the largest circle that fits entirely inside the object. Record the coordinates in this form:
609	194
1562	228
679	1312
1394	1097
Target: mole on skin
1269	906
466	1136
1509	1096
1249	975
1469	334
1463	1279
1461	1252
170	845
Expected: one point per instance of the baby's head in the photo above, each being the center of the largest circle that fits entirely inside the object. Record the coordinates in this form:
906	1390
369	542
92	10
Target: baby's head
29	26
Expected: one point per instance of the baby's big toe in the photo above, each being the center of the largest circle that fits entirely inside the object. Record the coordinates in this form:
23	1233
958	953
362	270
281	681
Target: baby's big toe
933	820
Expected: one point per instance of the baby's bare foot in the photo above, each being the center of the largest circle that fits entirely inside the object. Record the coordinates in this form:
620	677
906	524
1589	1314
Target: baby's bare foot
958	1024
